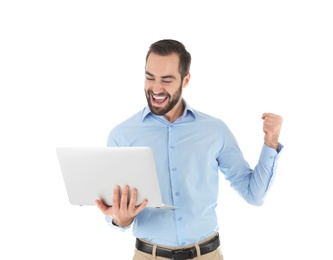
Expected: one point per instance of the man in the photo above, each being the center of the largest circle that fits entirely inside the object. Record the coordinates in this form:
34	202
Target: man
190	148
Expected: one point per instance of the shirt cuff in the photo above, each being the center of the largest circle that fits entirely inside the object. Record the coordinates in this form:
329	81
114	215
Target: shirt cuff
269	154
110	222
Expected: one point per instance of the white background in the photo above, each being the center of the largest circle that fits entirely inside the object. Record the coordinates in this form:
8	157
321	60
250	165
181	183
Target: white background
71	70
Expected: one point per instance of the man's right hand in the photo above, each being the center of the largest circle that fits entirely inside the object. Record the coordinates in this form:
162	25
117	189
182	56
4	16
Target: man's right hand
122	211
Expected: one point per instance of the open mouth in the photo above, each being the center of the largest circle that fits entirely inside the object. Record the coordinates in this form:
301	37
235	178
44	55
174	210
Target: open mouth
158	99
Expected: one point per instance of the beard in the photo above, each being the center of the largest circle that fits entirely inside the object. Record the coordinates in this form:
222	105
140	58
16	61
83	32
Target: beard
172	101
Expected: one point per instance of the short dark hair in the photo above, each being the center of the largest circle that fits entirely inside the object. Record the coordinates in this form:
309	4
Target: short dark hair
166	47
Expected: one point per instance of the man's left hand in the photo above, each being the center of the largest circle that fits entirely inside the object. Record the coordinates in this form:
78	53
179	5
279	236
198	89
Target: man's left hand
271	127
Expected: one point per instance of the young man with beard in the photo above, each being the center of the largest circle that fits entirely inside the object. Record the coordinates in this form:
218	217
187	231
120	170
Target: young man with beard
190	148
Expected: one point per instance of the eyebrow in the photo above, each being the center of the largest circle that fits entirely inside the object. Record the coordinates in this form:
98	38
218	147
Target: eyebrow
163	77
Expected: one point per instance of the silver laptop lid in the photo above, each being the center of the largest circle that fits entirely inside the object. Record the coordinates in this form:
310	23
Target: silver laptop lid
91	173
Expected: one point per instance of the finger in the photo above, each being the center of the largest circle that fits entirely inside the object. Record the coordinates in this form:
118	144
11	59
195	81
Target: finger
272	120
264	115
269	125
116	197
141	207
132	202
101	206
134	210
124	198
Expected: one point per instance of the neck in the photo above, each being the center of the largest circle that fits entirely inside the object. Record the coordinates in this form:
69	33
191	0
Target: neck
175	112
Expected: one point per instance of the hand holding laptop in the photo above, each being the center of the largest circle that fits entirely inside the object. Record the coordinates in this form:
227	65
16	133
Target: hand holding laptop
123	209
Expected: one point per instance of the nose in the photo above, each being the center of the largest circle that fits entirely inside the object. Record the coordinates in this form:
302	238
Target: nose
156	87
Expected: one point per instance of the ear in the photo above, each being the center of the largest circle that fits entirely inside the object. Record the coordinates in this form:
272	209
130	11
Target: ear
186	80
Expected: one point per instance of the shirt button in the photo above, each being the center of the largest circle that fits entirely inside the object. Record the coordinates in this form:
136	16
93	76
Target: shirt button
180	219
177	193
183	243
174	169
172	147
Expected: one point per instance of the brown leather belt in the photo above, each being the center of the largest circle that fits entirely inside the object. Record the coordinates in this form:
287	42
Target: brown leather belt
179	254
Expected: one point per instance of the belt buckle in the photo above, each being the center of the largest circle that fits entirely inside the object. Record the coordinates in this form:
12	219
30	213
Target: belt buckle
183	254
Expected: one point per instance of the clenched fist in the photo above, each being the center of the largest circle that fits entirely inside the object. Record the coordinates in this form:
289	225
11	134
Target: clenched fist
271	127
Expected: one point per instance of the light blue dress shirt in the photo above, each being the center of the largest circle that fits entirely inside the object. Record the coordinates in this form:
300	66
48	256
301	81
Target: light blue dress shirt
189	154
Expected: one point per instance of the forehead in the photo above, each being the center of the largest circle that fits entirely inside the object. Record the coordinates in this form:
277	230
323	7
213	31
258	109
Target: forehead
162	65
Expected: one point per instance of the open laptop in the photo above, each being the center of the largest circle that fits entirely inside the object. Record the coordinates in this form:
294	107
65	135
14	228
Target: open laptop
91	173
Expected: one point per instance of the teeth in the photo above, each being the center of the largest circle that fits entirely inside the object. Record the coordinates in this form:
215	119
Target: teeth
159	97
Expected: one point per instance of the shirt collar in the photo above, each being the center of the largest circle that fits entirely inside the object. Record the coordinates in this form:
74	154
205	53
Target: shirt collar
188	111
